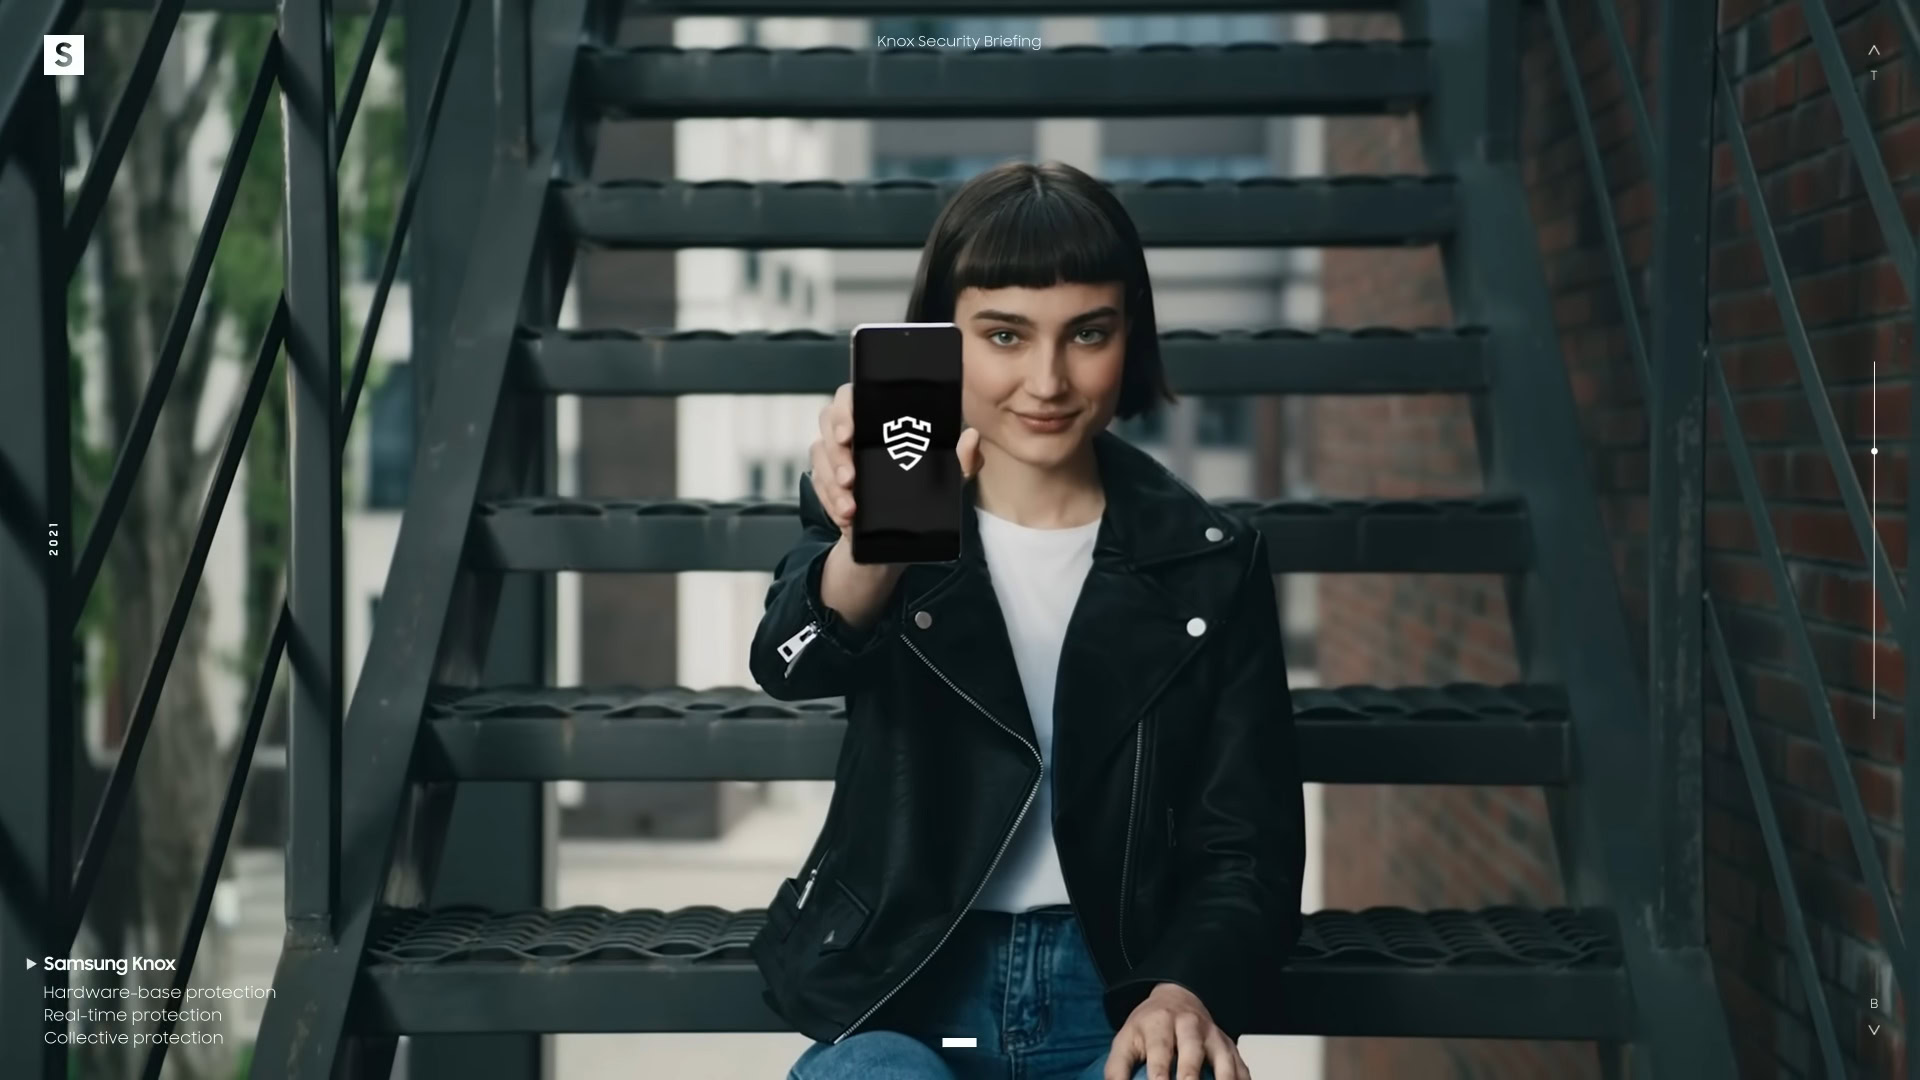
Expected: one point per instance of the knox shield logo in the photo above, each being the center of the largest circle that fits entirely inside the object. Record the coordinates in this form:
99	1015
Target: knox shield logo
907	440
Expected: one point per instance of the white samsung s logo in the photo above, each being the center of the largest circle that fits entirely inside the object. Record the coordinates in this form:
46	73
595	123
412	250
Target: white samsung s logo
907	440
63	54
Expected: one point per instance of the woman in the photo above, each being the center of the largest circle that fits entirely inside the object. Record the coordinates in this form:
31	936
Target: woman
1066	819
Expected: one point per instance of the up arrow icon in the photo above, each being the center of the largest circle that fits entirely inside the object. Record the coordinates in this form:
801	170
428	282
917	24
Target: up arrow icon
1873	50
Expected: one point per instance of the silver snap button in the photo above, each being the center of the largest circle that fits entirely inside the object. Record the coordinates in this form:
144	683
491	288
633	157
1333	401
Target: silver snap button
1196	626
923	619
1214	534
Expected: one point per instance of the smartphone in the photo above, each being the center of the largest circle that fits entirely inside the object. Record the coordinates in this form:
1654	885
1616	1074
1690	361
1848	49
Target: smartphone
907	488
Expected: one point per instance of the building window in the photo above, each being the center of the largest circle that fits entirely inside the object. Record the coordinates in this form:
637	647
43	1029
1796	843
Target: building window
916	26
947	167
373	613
1137	30
1222	421
786	284
760	478
750	268
390	439
1189	167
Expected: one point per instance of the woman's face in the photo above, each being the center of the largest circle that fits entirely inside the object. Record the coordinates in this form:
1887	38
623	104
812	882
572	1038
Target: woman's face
1042	366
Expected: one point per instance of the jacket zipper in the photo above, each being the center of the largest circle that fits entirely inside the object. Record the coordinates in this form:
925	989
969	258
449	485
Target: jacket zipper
1011	833
1126	852
791	648
811	876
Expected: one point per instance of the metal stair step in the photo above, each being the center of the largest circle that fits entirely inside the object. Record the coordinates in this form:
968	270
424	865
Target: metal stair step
552	533
1503	972
1463	733
1252	78
859	8
1468	535
1266	212
1371	360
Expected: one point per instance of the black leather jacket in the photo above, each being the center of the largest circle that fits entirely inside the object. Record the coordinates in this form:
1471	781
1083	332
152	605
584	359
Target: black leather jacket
1178	812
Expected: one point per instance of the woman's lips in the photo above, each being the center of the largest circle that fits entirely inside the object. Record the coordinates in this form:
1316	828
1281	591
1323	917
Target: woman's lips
1046	425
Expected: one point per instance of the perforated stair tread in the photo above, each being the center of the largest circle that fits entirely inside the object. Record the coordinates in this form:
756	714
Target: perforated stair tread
874	214
886	8
1279	360
1245	78
1498	972
1461	733
1472	534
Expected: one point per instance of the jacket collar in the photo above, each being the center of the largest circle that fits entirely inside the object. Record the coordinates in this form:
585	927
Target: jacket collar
1132	627
1151	516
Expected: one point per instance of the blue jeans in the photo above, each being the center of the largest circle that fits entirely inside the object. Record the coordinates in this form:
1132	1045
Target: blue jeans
1023	985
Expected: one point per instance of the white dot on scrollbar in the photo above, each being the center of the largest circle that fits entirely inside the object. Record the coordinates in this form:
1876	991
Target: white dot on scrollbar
1875	450
951	1041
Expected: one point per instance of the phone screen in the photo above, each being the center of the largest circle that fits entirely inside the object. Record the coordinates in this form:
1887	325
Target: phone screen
907	488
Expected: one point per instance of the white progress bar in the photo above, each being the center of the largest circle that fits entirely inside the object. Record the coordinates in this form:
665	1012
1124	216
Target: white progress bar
951	1041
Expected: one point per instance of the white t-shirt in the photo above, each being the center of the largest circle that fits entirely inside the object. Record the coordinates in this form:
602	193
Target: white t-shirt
1037	575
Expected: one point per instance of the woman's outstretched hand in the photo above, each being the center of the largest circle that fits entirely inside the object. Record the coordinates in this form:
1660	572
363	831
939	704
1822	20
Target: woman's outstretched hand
1174	1034
831	460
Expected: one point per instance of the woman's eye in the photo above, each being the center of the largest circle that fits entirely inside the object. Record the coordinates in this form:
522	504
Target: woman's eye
1091	335
1003	338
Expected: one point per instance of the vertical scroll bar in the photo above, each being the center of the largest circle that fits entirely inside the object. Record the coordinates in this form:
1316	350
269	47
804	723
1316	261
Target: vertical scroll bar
36	568
313	410
1676	485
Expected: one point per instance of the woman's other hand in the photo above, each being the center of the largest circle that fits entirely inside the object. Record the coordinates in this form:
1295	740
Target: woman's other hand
831	459
1174	1034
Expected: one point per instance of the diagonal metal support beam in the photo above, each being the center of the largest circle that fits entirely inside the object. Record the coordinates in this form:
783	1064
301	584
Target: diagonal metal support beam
1812	385
304	1024
110	148
1868	163
1794	916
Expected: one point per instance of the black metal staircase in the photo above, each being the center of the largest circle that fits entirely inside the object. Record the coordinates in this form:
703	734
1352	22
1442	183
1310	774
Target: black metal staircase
1501	972
370	960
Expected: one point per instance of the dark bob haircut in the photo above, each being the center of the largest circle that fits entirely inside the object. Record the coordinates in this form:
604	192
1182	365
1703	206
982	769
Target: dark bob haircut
1032	226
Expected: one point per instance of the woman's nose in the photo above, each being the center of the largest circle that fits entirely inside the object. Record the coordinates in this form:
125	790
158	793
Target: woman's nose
1045	375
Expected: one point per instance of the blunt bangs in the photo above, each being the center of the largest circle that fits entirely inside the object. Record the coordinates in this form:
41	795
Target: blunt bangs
1038	237
1034	226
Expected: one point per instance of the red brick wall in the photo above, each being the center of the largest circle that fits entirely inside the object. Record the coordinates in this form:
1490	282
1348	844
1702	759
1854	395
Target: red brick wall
1429	848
